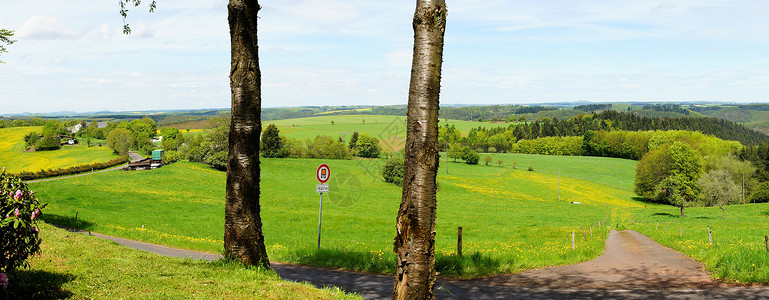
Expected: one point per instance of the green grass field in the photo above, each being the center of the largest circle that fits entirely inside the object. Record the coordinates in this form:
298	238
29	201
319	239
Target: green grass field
14	159
76	266
391	130
511	218
739	251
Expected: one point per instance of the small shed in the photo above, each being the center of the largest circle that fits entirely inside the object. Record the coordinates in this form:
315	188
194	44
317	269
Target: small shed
157	156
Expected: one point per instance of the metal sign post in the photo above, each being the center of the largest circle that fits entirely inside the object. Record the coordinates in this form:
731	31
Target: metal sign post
323	173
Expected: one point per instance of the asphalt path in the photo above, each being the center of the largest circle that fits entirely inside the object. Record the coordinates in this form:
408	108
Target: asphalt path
632	267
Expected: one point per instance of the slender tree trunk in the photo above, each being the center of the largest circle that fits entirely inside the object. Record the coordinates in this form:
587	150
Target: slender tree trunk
682	210
243	238
415	240
723	216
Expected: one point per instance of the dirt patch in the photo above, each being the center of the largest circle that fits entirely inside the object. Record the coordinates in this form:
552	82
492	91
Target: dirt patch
630	261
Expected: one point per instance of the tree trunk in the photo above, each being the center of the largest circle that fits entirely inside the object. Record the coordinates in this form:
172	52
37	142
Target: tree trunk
723	216
415	240
243	238
682	210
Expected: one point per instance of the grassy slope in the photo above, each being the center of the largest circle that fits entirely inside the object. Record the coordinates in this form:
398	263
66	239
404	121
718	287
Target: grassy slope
511	218
391	130
82	267
13	157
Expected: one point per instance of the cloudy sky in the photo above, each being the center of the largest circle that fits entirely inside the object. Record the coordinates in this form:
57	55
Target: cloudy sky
72	56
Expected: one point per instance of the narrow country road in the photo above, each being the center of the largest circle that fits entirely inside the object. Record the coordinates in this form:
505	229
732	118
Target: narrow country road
632	267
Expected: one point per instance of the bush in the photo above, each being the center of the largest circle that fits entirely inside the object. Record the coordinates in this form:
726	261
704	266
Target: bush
218	160
172	157
471	157
48	143
367	146
326	147
531	169
72	170
19	212
393	170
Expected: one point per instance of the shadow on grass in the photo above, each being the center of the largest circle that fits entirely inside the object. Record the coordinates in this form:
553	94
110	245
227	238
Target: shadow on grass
453	265
68	221
345	259
36	284
666	215
474	264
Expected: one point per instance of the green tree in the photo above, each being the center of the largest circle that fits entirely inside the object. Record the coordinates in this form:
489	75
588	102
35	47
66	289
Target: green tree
48	143
653	167
676	190
718	188
272	145
367	146
415	226
353	141
324	146
455	151
487	159
470	156
121	140
392	171
30	139
5	38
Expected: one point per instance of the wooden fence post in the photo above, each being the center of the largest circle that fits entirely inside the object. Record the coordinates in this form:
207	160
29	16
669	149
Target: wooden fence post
766	240
572	240
657	226
599	224
682	232
459	241
710	237
583	234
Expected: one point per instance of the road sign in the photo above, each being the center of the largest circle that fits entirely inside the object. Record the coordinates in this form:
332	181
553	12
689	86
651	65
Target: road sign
321	188
323	173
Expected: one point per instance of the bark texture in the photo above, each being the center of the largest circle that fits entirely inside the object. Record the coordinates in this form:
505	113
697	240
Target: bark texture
243	238
415	239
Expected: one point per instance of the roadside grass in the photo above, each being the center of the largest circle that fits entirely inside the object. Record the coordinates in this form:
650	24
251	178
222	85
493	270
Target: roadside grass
77	266
15	160
390	130
511	218
739	251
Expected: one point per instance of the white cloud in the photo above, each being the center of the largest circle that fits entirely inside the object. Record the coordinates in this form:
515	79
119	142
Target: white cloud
39	27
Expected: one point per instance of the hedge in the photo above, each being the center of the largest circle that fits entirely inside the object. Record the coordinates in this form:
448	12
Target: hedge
24	175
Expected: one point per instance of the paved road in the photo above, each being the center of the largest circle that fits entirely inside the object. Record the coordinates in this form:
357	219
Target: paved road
632	267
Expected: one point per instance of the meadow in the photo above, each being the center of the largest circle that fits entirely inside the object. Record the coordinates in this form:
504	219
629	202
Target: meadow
14	159
739	251
390	130
512	219
77	266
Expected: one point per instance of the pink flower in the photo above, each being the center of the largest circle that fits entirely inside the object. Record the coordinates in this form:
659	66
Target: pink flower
17	195
33	216
16	212
35	229
4	280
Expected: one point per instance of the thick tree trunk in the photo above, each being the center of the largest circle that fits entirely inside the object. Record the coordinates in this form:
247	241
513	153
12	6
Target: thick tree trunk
243	238
415	240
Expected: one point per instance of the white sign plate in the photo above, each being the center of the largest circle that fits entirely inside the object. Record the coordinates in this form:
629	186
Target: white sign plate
321	188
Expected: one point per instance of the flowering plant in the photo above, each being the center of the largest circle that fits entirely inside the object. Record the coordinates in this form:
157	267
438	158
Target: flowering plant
19	212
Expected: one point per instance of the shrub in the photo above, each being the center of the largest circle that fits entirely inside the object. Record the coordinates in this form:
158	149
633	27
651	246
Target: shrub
218	160
172	157
272	144
19	212
48	143
393	170
367	146
471	157
72	170
531	169
326	147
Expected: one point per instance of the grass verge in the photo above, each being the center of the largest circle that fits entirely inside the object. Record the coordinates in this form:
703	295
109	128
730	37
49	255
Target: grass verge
78	266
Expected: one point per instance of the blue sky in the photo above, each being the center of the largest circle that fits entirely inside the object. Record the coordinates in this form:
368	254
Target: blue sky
71	55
